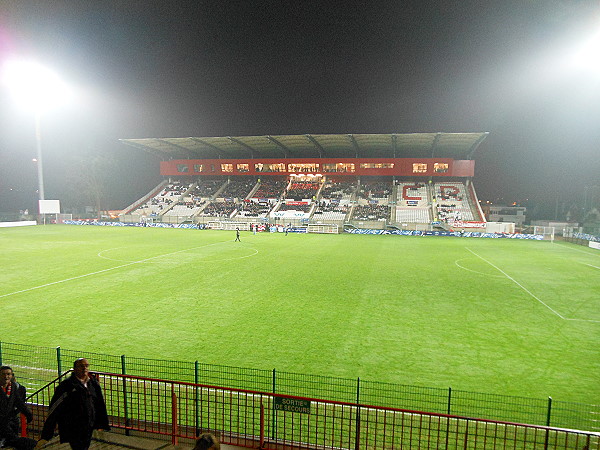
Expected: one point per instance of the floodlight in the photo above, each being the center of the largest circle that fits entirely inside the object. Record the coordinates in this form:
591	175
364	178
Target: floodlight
33	85
586	57
36	88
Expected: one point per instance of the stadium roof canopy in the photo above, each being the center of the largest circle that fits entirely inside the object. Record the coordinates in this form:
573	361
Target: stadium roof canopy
413	145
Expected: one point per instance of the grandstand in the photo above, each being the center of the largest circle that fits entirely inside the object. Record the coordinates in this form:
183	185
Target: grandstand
409	181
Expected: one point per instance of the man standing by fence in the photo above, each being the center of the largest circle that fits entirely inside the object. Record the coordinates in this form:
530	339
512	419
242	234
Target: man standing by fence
10	400
78	407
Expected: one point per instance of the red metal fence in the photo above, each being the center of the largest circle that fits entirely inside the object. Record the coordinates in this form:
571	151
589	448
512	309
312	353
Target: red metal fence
263	420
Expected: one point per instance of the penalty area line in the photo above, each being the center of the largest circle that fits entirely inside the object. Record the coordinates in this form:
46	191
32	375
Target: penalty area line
517	283
562	245
529	292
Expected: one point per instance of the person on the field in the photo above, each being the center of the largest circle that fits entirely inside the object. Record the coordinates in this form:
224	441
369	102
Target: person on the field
12	401
78	408
237	235
207	441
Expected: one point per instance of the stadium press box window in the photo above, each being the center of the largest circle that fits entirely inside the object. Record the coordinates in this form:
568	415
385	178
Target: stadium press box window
376	165
440	167
419	168
260	167
339	167
182	168
227	168
198	168
243	167
303	167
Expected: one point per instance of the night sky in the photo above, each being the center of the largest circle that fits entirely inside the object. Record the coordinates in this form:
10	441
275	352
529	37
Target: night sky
229	68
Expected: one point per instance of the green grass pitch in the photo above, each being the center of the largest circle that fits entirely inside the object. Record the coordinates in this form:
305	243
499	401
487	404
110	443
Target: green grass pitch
500	316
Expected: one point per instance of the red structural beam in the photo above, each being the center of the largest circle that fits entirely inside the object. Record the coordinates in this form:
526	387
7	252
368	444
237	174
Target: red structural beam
343	167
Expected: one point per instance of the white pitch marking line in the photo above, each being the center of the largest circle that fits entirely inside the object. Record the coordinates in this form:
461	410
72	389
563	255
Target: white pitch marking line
595	267
101	254
517	283
475	271
102	271
530	293
579	250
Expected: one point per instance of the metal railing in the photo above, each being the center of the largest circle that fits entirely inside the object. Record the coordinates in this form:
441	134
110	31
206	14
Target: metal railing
35	366
265	420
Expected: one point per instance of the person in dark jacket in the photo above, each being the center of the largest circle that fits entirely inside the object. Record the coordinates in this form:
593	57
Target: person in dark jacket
12	401
78	408
22	393
207	442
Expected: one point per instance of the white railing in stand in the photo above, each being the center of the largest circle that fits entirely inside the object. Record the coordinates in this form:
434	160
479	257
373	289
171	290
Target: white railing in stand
145	198
476	201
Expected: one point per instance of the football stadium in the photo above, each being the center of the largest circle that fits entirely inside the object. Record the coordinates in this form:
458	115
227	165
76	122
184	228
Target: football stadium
313	291
299	225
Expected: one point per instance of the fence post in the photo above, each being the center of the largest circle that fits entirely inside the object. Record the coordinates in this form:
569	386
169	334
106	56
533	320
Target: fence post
125	412
357	434
449	399
549	413
58	361
197	381
273	411
262	426
174	430
1	353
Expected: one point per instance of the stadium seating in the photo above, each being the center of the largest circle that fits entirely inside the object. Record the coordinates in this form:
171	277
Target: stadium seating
412	194
295	207
373	201
219	209
185	209
164	200
194	199
270	188
452	202
335	201
413	214
375	190
206	189
254	209
412	203
239	189
405	202
302	190
371	212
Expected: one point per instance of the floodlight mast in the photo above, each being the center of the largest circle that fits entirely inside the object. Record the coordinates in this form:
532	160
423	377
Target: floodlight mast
38	146
37	88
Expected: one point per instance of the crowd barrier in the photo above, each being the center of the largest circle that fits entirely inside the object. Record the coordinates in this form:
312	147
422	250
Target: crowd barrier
469	234
256	419
587	237
35	366
21	223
